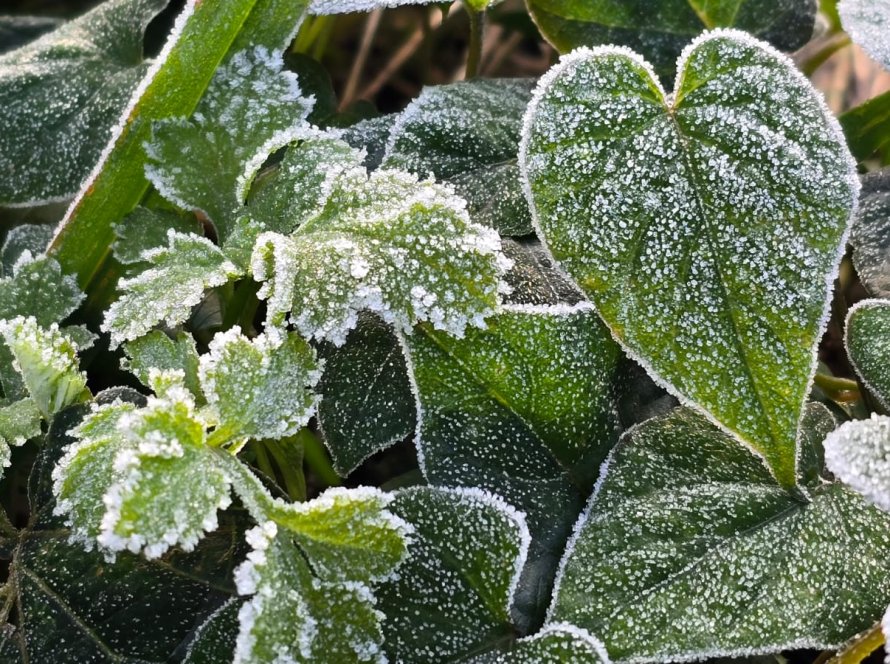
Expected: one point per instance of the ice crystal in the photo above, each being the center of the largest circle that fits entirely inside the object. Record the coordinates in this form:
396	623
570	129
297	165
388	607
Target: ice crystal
36	287
868	22
858	453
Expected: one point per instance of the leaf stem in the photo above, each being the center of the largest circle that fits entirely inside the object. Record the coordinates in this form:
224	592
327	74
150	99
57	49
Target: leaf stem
317	459
474	53
860	647
840	389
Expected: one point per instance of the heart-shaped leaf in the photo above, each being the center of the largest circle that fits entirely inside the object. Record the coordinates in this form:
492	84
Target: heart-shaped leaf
867	338
706	226
689	549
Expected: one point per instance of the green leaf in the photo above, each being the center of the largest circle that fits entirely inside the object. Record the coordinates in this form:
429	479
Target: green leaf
167	291
371	136
145	229
682	218
366	402
16	30
816	424
259	388
47	362
156	350
870	235
386	243
214	640
867	22
534	278
37	287
559	643
858	453
689	549
61	93
866	128
659	29
19	421
454	593
467	134
27	237
522	409
867	338
250	109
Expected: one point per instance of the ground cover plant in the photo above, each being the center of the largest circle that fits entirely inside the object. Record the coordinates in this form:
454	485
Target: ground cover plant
581	367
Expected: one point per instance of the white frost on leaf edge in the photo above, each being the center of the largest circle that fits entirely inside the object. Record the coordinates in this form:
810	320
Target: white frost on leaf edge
864	304
323	7
573	630
582	54
858	466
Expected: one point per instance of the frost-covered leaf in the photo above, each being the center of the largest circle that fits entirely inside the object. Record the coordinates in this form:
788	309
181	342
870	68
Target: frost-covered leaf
166	292
816	424
169	488
47	362
259	388
689	549
351	6
454	593
534	278
559	643
867	338
250	109
858	453
36	287
60	94
659	29
522	409
19	421
145	229
27	237
214	640
707	228
293	617
366	402
868	23
388	243
156	350
17	30
870	235
371	136
467	134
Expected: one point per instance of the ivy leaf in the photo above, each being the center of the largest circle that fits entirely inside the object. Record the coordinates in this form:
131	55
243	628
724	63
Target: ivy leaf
868	346
522	409
467	134
870	235
250	109
867	23
259	388
386	243
660	29
559	643
61	93
681	220
47	362
366	402
32	238
167	291
857	453
689	549
19	421
156	350
145	229
454	593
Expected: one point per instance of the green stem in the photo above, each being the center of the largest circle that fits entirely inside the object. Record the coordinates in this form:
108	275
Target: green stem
474	53
831	46
834	387
317	459
860	647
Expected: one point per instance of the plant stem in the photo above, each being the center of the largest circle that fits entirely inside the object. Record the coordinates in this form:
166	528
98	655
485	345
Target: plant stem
843	389
860	647
832	45
317	459
474	53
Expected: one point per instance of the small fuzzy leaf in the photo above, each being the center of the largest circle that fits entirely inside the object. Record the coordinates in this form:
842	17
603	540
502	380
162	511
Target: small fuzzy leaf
36	287
559	643
156	350
366	402
19	421
467	134
659	29
682	219
33	238
387	243
454	593
867	338
145	229
868	23
870	235
250	109
689	549
60	94
167	291
370	136
259	388
858	453
169	488
47	362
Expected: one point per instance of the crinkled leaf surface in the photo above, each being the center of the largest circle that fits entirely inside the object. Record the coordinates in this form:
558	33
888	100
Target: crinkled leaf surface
706	227
60	94
467	134
559	643
659	29
870	235
402	248
523	410
867	338
156	350
690	549
366	402
250	109
858	453
371	135
454	593
26	237
166	292
145	229
868	22
259	388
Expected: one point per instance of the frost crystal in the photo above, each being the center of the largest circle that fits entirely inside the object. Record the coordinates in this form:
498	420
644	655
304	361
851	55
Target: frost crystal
868	23
706	226
867	339
858	453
